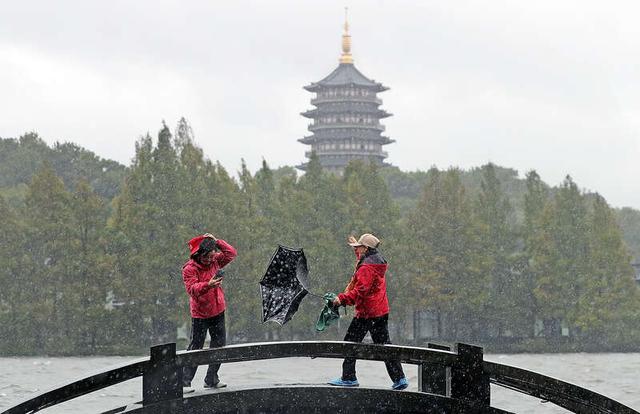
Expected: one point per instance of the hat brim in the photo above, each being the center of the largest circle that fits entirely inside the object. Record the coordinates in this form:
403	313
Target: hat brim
355	244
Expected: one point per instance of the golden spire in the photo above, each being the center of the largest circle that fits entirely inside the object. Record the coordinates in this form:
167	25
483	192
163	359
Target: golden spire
346	42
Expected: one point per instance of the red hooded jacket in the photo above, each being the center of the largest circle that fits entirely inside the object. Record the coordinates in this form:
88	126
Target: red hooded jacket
369	288
206	301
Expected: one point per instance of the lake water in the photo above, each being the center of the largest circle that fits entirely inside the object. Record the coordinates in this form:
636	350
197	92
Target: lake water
614	375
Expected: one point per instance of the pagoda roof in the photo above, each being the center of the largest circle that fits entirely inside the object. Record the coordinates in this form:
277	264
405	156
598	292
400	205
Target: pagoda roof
346	74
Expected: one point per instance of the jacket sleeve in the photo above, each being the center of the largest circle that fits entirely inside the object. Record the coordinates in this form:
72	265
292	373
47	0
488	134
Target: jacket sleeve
194	287
226	255
362	286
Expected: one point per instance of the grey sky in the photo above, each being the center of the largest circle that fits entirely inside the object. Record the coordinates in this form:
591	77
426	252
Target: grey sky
545	85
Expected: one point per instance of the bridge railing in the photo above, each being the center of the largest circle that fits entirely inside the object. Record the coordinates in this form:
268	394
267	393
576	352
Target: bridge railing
460	374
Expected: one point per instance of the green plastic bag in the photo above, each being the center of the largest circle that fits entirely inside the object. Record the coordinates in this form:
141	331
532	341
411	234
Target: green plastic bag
329	312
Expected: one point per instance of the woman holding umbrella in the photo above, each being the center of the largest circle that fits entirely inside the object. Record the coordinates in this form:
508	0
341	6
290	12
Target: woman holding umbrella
367	291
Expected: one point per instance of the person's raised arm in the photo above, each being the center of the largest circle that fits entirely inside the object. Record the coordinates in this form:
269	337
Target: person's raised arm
226	254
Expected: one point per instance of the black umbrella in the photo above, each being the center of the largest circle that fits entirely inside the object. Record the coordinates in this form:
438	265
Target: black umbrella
284	285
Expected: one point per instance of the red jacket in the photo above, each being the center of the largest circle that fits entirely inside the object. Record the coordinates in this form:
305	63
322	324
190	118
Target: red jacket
206	301
369	288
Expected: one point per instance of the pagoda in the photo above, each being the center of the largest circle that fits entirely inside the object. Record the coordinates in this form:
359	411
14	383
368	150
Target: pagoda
346	118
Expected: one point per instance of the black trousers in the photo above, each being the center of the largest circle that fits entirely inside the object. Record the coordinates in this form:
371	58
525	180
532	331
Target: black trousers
199	328
379	329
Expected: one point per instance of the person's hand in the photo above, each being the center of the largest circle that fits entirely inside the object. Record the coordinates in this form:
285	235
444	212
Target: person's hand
215	281
210	236
336	302
352	239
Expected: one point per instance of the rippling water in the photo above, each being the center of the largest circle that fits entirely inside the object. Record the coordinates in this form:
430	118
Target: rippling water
614	375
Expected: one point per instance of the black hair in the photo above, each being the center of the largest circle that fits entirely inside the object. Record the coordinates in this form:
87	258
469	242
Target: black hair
206	246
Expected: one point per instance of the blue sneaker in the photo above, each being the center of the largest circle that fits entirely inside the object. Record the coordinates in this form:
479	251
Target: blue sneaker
339	382
401	384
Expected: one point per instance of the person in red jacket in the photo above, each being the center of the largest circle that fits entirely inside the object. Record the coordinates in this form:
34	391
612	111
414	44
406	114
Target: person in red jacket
367	291
206	300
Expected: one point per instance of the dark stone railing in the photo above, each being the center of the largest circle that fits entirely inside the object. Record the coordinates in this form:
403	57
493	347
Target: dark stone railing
453	381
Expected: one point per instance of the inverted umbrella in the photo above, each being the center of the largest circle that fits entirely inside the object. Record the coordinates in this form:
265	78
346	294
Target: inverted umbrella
284	285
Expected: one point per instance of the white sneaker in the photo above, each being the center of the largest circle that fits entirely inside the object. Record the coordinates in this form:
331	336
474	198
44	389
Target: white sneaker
187	390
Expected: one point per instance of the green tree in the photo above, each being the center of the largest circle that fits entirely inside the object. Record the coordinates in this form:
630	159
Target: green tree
89	269
499	262
49	243
537	247
15	284
609	289
443	246
562	258
149	217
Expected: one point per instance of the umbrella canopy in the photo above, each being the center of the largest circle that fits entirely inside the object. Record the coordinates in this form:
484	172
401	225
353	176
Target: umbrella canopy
284	285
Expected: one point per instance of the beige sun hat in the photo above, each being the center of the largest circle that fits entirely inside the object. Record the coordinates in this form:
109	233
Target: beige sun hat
368	240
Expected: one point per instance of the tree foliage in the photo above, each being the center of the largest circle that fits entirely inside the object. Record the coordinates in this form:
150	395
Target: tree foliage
492	256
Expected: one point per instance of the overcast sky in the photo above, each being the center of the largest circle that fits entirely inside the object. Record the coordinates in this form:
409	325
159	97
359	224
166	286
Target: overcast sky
546	85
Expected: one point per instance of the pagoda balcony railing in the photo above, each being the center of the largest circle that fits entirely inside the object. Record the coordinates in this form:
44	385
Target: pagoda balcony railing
316	127
326	99
349	152
318	138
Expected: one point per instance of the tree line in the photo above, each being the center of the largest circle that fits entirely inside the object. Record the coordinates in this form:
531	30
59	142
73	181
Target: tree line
85	273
